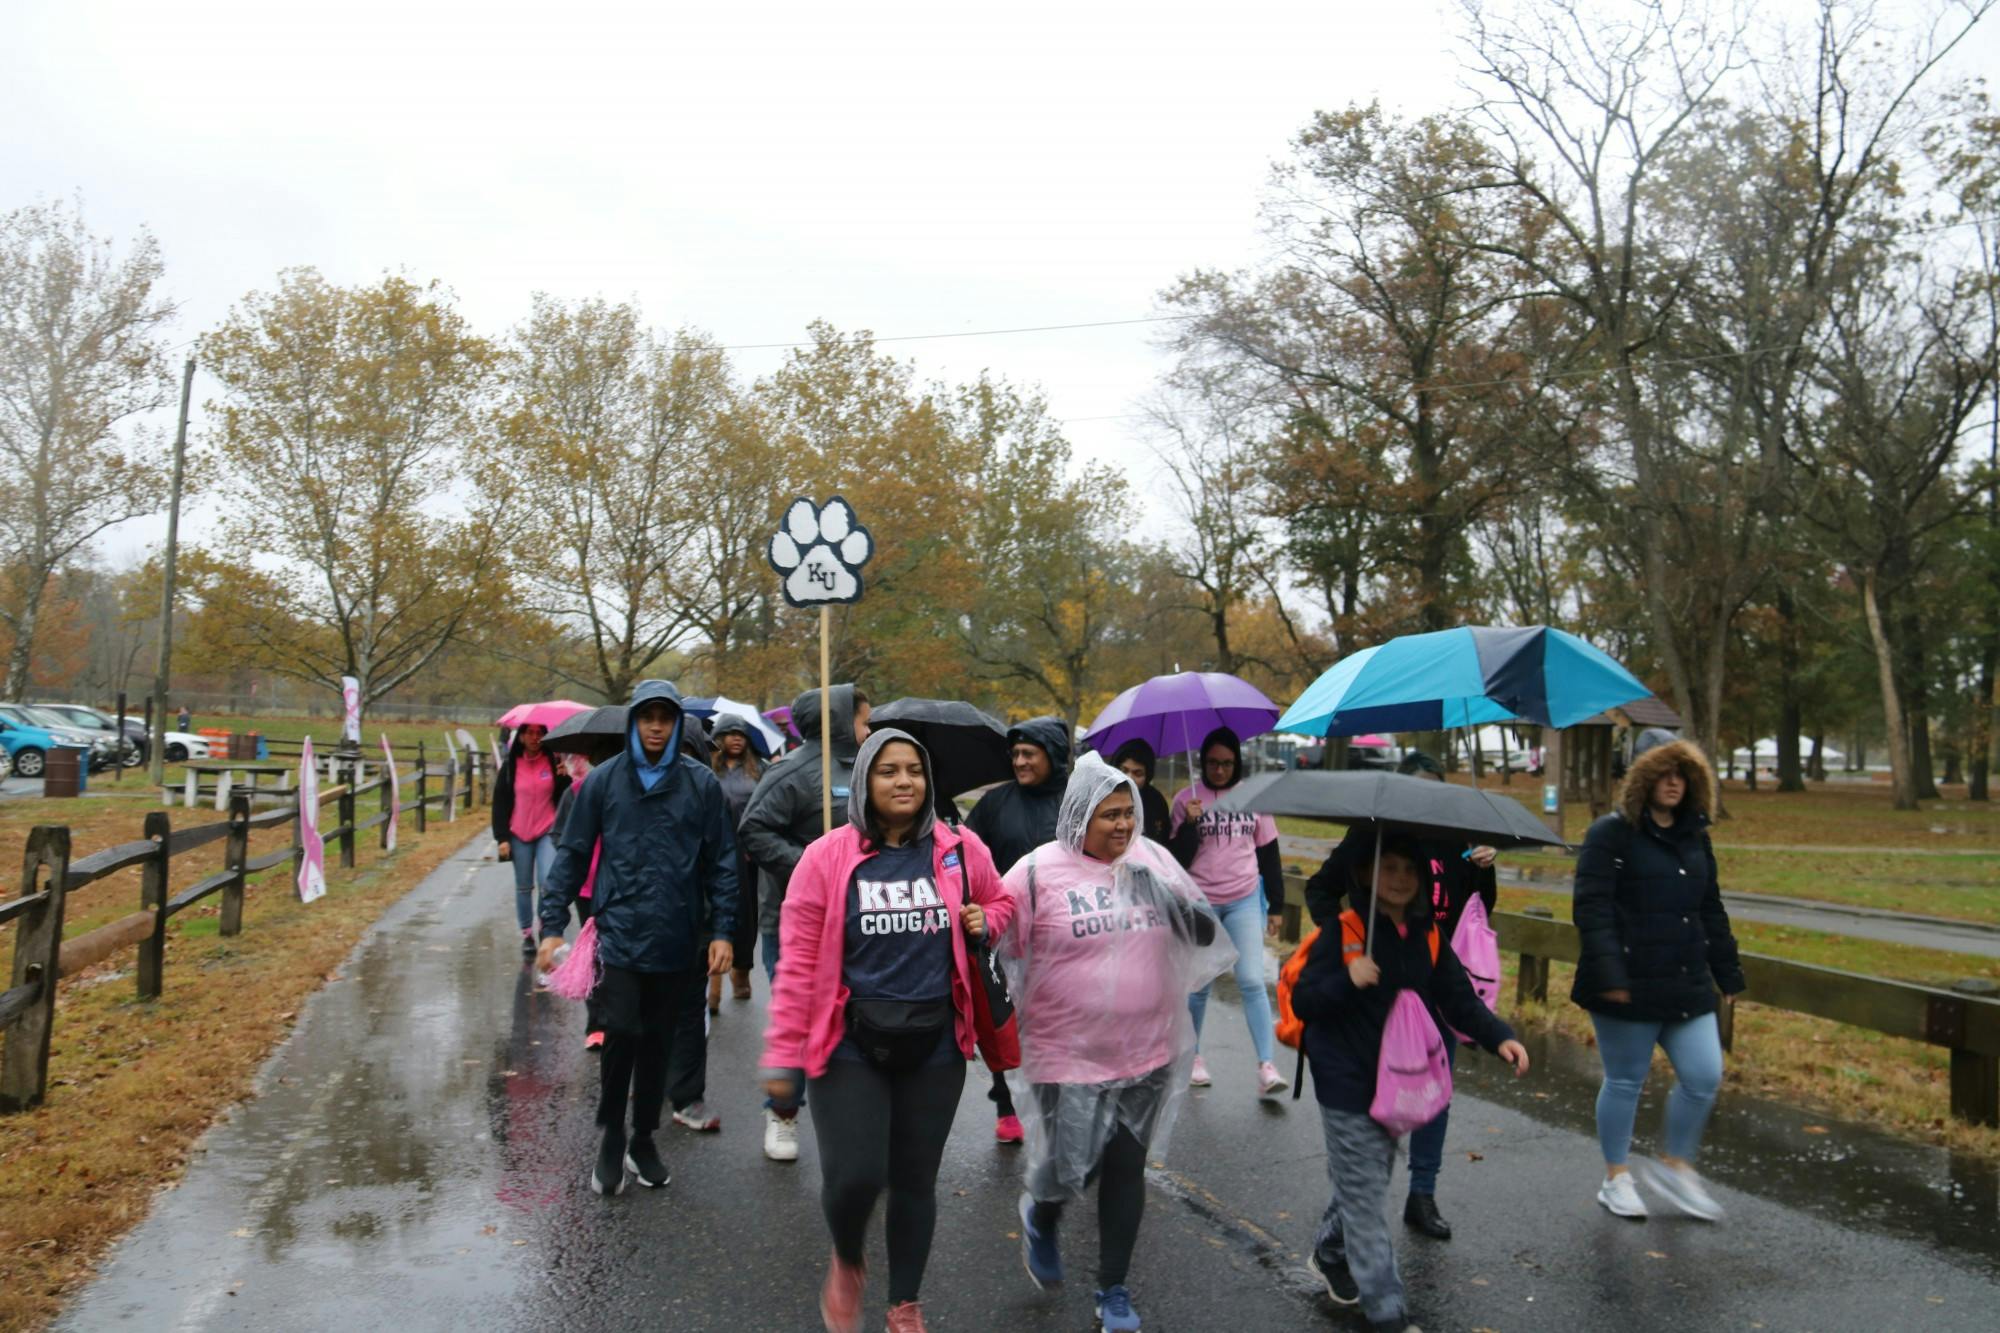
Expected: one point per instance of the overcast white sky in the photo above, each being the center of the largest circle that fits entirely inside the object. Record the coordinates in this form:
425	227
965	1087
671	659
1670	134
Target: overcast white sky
906	168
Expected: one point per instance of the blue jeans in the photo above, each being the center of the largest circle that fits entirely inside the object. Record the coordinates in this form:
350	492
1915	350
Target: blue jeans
1427	1142
770	955
1693	1046
532	863
1244	920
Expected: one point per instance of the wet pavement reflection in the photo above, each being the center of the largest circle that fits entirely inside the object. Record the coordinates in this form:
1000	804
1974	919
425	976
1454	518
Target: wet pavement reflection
418	1154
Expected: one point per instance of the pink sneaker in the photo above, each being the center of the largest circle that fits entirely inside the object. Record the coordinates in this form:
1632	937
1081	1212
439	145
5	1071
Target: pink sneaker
907	1318
1269	1081
1007	1129
840	1297
1198	1076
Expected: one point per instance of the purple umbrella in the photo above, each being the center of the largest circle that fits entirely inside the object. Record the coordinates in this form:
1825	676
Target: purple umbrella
1172	713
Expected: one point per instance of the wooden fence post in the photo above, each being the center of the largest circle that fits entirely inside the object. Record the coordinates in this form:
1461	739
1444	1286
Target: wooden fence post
235	855
346	808
1975	1077
423	790
388	804
153	898
1531	982
471	776
24	1070
451	790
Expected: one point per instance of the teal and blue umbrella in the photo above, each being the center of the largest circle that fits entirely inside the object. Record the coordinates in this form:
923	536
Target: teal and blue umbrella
1463	677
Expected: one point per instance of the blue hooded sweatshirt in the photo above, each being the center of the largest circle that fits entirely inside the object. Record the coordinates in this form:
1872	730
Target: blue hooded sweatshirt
666	881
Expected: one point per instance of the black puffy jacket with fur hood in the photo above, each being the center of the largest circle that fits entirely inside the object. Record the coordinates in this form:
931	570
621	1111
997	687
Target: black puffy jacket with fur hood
1648	904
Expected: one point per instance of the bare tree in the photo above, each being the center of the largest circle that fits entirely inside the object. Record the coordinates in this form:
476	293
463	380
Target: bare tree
80	357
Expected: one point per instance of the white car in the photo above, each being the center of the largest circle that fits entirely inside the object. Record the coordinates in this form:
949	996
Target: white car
184	745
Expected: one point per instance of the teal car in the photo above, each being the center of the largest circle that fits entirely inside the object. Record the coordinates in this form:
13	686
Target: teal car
26	744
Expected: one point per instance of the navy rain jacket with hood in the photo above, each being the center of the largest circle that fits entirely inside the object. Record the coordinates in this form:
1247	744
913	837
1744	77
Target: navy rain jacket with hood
784	812
666	883
1013	820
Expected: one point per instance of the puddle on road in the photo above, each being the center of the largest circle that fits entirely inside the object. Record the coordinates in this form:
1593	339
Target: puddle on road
1850	1175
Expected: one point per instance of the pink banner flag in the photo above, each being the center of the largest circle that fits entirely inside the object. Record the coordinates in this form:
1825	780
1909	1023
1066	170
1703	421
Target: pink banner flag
312	869
395	794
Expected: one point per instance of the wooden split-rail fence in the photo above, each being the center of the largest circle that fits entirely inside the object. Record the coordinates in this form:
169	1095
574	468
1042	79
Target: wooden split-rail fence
42	957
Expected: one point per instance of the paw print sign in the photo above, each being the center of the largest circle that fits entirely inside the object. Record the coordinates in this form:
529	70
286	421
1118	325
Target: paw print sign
820	551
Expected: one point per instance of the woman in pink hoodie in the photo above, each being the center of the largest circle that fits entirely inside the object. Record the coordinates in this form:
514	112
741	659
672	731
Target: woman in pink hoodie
1109	936
872	1008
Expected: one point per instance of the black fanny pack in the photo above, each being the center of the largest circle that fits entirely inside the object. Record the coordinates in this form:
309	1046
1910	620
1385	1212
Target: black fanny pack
897	1035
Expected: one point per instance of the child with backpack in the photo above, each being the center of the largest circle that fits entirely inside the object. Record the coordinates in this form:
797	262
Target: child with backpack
1356	1036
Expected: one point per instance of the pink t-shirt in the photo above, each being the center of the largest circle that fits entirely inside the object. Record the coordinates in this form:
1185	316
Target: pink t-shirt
1225	865
1104	995
534	799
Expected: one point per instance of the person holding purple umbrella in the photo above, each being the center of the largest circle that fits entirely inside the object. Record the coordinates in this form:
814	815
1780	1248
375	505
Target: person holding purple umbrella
1233	856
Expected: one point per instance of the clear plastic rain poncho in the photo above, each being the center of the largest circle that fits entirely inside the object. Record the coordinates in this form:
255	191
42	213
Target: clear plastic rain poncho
1101	957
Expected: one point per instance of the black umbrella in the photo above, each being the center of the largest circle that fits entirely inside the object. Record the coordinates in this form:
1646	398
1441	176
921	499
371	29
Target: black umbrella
968	747
596	735
1426	808
600	734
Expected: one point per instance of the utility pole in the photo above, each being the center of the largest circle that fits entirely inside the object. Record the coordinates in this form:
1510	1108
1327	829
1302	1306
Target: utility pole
164	668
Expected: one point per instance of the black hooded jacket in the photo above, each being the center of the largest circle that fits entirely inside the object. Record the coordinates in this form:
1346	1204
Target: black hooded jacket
1343	1037
1155	818
503	787
666	880
784	811
1013	820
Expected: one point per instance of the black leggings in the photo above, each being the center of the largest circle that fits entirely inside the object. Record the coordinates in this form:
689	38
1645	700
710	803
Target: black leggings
639	1011
1121	1199
881	1131
1003	1100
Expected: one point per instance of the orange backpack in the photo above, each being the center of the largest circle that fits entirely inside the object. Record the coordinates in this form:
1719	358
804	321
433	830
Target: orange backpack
1353	940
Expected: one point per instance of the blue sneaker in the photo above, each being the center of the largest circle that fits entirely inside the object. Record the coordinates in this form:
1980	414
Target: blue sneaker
1114	1311
1038	1249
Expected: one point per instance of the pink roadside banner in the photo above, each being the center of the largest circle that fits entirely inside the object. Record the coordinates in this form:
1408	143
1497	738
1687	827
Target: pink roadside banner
312	868
395	794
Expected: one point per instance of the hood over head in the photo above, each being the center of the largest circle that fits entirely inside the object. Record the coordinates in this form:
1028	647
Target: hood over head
1655	764
1416	762
840	706
645	692
857	791
1221	736
1139	750
1052	736
1359	841
1089	785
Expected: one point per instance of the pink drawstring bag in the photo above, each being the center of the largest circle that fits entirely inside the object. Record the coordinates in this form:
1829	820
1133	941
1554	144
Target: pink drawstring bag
578	974
1412	1080
1478	950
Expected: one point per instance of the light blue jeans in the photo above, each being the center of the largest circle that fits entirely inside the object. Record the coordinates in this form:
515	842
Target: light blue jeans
1244	920
532	863
1693	1046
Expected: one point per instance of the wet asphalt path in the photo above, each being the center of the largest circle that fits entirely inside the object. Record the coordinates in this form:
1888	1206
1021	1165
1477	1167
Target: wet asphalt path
417	1159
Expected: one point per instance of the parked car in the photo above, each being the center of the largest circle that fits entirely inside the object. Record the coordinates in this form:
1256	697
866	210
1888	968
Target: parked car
134	748
101	747
28	743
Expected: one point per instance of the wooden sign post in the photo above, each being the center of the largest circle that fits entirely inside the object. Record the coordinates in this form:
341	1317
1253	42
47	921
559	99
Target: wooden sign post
819	551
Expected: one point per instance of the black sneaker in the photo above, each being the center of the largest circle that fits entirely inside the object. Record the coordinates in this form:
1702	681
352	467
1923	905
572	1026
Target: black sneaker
642	1159
1340	1284
608	1176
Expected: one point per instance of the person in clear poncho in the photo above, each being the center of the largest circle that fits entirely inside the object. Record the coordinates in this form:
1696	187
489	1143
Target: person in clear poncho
1108	938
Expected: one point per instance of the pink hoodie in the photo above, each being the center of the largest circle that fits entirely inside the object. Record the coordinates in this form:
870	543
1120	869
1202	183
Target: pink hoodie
808	1000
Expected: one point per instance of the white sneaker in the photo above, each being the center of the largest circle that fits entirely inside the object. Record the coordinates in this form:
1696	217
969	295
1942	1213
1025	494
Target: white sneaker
781	1137
696	1116
1621	1196
1684	1190
1198	1076
1269	1081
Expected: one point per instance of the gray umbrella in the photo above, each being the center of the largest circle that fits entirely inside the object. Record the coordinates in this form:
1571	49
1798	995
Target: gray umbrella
1423	807
596	735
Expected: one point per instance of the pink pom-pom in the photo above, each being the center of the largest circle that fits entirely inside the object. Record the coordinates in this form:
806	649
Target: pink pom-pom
578	974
